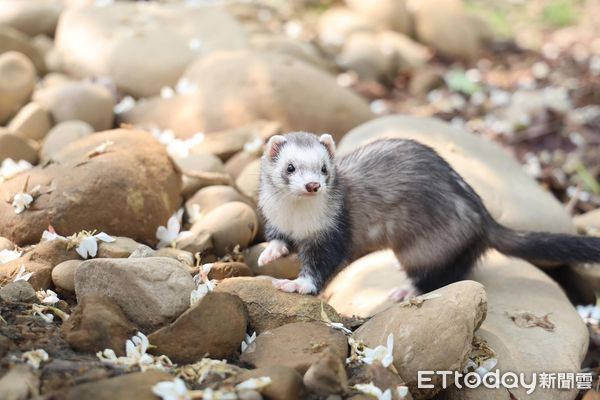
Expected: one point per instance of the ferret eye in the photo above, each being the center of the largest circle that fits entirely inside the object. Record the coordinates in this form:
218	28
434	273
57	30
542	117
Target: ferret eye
290	168
324	169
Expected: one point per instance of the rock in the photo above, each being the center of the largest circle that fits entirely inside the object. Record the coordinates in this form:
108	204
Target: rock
12	146
281	44
362	289
248	180
19	383
236	164
31	122
270	308
200	162
18	292
17	80
225	144
336	24
286	382
136	385
297	345
63	275
447	27
589	222
184	257
514	286
82	101
385	14
195	242
211	197
97	323
327	375
214	327
13	40
146	50
30	17
362	54
380	376
6	244
406	54
193	165
62	135
39	261
230	225
134	173
293	93
152	291
224	270
284	268
425	80
122	247
448	321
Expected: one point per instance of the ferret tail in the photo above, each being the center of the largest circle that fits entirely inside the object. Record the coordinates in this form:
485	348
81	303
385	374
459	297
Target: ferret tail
542	247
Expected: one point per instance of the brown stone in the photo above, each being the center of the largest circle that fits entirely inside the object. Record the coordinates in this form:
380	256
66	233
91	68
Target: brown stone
213	327
97	323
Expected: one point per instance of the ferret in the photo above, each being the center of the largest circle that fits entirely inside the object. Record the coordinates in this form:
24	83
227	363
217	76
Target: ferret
390	193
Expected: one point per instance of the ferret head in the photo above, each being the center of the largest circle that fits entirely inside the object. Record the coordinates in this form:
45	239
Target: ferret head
300	163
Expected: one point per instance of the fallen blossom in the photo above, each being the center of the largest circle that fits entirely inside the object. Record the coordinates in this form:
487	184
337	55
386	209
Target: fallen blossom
167	92
372	390
136	355
590	314
127	103
168	235
35	357
180	148
9	168
9	255
39	311
87	243
194	212
383	354
203	284
50	234
254	146
21	202
22	274
201	370
339	326
248	340
402	391
171	390
185	86
47	296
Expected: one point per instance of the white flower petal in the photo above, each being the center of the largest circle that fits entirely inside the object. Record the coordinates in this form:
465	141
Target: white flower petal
104	237
9	255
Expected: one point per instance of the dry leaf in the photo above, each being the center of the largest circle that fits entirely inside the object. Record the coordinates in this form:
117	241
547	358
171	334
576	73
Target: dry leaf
528	320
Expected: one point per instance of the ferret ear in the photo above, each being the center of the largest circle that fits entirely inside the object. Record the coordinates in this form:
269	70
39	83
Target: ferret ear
274	145
327	140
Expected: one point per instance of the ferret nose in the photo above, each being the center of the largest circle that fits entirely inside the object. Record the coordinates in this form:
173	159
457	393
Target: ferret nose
312	187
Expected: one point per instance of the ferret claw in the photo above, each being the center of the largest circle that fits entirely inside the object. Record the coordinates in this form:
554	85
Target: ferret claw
275	250
298	285
402	293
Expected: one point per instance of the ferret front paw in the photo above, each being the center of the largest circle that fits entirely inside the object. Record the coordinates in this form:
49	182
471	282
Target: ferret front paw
298	285
403	292
275	250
